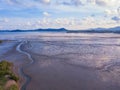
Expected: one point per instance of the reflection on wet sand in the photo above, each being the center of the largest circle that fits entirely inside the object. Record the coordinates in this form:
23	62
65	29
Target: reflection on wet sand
63	63
74	64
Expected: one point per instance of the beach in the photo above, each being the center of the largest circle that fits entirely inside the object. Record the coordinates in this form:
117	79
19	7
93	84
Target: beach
65	62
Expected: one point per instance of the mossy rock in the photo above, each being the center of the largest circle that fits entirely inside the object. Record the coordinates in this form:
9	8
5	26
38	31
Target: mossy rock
7	74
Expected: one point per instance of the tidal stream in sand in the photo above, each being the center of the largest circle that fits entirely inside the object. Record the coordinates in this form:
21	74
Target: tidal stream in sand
27	77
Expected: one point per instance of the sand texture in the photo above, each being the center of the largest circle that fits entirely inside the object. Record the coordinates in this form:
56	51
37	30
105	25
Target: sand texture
65	64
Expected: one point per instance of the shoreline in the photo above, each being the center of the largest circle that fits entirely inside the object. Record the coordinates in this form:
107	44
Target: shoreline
17	69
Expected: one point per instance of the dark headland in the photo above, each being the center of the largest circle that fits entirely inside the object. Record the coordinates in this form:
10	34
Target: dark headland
92	30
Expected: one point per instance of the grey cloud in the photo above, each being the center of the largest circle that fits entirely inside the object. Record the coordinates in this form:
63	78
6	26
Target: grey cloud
115	18
118	10
43	1
66	3
76	2
71	3
23	2
98	2
101	2
11	2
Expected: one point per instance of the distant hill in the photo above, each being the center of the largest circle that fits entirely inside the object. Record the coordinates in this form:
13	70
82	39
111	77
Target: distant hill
94	30
37	30
98	30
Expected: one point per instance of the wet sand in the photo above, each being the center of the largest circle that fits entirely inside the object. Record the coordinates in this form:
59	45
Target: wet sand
65	65
53	74
73	64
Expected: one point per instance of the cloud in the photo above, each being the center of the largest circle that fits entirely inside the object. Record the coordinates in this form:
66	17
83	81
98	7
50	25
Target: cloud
71	3
68	22
4	20
110	12
46	14
44	1
25	2
76	2
115	18
28	23
118	10
58	13
104	2
114	14
11	2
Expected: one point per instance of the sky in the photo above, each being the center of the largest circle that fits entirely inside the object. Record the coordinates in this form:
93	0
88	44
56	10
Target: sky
69	14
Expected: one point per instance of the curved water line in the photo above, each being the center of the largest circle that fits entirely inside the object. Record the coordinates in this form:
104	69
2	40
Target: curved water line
27	77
